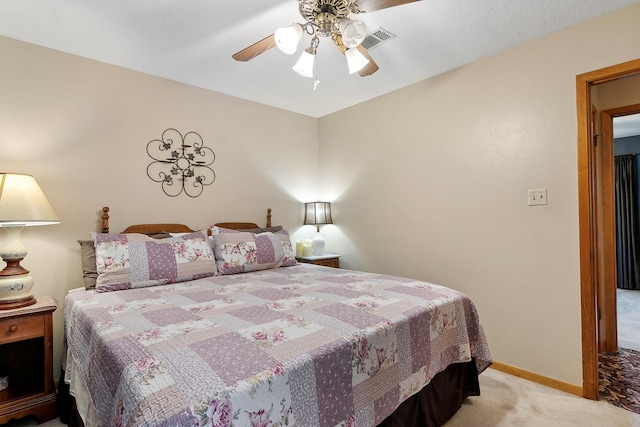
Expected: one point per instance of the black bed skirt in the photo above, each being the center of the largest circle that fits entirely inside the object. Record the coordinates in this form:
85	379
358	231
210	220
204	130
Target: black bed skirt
439	400
432	406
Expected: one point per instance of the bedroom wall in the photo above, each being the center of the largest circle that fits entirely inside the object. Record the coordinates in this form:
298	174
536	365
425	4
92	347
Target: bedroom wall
432	183
81	128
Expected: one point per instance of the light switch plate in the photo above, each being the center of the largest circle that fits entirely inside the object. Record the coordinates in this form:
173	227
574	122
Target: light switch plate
537	197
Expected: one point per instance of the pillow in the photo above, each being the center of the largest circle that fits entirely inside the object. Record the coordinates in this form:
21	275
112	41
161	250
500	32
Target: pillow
163	235
244	230
241	251
273	229
125	261
89	271
88	254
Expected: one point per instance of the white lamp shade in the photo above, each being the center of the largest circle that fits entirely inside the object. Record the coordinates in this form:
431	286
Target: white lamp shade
355	60
306	63
22	202
353	32
287	38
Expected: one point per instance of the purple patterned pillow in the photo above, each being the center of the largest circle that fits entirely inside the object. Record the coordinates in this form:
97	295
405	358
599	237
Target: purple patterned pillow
241	252
126	261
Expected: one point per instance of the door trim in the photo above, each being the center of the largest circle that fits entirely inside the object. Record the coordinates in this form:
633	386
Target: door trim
588	234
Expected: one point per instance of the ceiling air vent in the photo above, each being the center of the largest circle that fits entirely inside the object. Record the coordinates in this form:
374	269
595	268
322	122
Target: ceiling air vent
376	38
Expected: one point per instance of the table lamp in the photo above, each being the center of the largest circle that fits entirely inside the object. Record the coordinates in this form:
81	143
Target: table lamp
22	204
316	213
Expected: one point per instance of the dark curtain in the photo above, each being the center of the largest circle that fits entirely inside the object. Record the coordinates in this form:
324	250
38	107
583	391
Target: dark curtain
627	238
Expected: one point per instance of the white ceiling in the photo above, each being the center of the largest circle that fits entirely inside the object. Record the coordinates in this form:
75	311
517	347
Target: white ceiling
191	41
625	126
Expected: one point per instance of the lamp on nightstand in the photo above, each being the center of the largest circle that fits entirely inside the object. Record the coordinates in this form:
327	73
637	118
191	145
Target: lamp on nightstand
22	204
316	213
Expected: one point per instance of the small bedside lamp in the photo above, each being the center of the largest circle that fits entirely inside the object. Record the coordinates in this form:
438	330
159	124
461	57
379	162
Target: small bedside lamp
316	213
22	204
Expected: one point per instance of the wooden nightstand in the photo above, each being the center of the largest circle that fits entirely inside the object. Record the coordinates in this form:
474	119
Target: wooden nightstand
328	260
26	356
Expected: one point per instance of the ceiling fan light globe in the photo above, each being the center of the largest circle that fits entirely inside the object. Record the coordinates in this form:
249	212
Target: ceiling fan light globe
306	63
352	31
287	38
356	61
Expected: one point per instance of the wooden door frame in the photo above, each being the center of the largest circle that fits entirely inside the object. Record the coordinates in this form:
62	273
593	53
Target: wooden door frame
588	233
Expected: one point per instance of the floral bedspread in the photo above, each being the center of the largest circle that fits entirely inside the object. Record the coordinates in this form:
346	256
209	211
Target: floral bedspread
302	345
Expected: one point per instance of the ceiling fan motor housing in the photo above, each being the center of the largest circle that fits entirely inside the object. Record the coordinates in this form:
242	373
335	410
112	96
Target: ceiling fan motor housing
324	14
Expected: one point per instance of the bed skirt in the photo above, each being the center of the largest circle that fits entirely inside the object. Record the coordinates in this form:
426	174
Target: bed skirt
432	406
439	400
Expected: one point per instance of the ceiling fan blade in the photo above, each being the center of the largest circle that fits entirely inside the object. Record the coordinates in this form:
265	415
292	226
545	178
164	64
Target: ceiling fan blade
371	67
372	5
255	49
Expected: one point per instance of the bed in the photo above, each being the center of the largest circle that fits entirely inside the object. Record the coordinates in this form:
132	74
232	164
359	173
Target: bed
260	341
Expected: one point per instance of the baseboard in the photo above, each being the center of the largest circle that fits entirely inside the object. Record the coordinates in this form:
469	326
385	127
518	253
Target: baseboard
537	378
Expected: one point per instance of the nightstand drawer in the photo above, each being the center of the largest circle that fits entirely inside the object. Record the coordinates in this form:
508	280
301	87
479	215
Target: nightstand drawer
327	260
332	262
21	328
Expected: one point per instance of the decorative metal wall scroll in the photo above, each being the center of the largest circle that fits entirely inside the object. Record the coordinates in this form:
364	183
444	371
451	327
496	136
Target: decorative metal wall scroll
181	163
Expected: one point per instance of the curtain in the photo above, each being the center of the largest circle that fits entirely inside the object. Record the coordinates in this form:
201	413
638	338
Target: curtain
627	238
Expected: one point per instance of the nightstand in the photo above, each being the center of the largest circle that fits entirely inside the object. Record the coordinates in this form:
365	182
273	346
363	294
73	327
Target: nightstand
328	260
26	357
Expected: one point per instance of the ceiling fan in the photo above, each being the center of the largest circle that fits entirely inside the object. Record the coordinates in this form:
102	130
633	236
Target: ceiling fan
330	19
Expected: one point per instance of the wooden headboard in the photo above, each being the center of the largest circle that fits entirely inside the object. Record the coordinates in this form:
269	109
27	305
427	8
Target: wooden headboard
175	228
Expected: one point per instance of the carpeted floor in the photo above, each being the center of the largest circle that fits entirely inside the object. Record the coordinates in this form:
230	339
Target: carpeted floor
509	401
620	378
628	302
619	372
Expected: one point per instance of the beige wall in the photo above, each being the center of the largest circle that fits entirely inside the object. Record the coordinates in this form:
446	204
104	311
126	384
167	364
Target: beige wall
81	128
431	182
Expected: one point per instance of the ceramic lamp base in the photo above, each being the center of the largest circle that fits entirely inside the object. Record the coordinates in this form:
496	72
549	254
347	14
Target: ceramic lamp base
15	291
318	245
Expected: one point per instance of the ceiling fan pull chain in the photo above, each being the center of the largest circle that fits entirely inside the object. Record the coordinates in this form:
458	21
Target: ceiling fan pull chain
316	81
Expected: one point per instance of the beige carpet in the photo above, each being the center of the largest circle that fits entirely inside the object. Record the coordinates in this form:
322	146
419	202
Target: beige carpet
628	302
508	401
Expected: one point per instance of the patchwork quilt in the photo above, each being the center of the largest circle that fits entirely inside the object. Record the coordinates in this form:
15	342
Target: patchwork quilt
303	345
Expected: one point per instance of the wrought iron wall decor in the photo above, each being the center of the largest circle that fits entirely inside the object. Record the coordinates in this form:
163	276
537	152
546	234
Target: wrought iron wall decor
181	163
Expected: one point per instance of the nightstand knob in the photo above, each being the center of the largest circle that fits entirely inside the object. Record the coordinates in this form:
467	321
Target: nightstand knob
13	328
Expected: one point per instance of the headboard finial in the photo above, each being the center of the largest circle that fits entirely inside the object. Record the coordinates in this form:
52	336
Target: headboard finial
269	217
105	220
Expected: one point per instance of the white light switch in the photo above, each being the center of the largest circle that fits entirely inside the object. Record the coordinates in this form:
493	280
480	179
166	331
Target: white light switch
537	197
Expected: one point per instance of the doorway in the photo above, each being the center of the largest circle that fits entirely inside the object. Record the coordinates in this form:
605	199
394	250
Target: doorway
626	142
619	342
607	288
593	256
